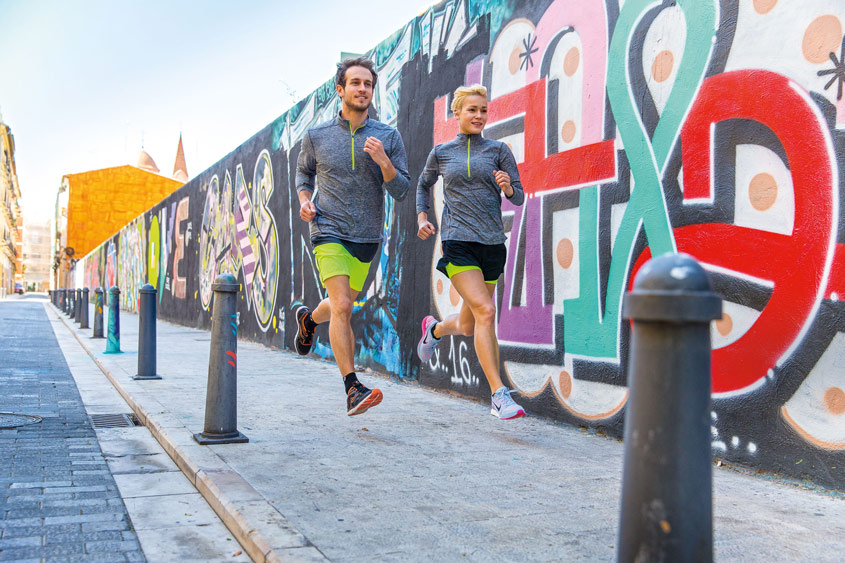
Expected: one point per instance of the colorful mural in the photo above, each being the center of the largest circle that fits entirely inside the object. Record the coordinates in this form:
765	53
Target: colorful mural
711	127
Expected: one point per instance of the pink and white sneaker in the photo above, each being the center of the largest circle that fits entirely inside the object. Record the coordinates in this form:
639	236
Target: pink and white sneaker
427	344
503	406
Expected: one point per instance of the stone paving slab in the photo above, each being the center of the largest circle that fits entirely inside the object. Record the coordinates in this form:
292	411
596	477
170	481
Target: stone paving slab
427	476
58	501
242	510
146	477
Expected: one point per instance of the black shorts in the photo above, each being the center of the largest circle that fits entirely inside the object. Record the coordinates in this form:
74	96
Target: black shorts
489	258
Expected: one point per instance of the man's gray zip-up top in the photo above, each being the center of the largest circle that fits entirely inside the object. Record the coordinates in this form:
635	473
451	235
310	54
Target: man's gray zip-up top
472	209
350	195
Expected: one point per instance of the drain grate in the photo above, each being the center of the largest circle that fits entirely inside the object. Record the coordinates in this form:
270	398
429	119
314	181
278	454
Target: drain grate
115	420
13	420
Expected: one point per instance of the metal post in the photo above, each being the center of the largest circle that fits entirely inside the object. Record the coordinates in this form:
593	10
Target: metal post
113	337
98	313
63	300
221	400
147	333
83	310
667	507
78	306
72	303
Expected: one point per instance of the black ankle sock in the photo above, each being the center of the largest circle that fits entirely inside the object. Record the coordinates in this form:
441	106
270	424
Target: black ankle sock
349	380
309	322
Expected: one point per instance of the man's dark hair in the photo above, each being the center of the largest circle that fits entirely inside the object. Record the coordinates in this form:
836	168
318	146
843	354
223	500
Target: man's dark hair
340	77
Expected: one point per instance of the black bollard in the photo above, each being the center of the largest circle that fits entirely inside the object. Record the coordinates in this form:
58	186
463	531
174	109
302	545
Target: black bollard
77	305
83	309
667	507
72	303
113	334
147	333
98	313
221	400
62	300
65	301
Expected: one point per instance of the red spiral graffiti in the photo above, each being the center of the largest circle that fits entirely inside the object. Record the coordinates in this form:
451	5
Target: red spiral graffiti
797	264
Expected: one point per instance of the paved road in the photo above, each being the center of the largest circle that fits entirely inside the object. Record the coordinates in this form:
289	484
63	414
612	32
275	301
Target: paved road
426	476
58	499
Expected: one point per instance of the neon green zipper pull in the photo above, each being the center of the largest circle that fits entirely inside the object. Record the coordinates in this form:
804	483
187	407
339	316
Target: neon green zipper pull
352	134
469	140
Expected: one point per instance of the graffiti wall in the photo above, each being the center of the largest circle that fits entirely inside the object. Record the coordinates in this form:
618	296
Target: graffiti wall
640	127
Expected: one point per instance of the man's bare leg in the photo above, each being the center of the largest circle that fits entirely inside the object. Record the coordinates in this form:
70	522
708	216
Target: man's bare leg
339	305
322	312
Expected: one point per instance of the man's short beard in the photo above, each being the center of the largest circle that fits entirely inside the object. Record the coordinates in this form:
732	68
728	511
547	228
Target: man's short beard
354	104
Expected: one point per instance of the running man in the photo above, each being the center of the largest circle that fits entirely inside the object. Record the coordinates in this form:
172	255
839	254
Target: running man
355	159
476	172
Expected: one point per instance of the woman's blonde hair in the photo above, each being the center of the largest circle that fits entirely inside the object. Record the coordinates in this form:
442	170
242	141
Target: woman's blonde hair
464	91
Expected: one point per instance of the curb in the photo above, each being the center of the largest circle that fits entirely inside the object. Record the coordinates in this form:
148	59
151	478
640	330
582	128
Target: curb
254	543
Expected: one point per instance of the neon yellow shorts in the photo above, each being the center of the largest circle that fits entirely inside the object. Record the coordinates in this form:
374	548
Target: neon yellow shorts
451	270
334	260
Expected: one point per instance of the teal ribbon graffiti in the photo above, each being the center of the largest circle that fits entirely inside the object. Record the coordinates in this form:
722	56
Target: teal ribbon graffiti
587	331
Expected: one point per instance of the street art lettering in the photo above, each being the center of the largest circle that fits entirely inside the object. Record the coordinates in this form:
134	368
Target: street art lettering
239	234
216	235
179	285
711	127
130	269
258	239
455	365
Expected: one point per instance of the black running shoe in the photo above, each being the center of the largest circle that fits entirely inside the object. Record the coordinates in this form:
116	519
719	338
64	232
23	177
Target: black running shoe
304	335
359	399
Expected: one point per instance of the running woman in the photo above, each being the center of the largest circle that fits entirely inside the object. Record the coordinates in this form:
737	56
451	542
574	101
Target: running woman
355	159
476	172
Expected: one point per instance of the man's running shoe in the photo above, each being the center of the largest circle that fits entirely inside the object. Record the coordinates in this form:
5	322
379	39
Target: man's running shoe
359	399
304	335
503	405
427	344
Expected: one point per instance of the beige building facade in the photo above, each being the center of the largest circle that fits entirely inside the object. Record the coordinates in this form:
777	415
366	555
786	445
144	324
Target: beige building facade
11	220
37	256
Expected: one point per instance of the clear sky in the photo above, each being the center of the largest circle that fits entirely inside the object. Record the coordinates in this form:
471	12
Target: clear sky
84	83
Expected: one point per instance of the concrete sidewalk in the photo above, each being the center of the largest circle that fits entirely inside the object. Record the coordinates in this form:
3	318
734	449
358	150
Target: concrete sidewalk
424	476
172	521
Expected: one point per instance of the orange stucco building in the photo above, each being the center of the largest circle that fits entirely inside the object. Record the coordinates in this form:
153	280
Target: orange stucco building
100	202
94	205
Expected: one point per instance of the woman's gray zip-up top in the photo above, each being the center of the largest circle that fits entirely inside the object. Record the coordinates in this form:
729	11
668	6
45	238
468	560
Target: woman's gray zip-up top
350	198
472	210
